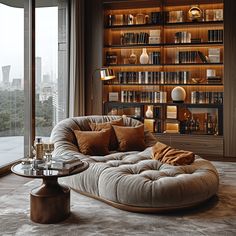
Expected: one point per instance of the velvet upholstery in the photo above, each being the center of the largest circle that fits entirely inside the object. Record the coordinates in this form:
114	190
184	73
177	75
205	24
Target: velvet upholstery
134	178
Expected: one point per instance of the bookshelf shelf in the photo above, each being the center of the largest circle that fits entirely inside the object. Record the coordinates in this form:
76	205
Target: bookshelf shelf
201	44
195	24
134	26
137	84
198	48
170	64
198	105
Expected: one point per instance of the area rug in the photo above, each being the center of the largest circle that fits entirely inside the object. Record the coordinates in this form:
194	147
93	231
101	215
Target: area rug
92	217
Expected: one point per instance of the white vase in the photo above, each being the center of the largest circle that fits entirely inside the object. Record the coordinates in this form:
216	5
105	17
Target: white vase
149	113
144	57
178	94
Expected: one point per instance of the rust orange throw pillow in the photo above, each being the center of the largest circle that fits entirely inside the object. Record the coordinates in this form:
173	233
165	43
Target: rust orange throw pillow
93	143
172	156
113	144
130	138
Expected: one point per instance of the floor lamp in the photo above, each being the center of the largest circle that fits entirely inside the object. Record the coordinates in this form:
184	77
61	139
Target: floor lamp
105	74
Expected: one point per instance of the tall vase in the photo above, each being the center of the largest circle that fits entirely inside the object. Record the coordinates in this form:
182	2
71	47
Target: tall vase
144	57
149	112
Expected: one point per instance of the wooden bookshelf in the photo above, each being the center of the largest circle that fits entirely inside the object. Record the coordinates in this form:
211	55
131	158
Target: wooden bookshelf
172	37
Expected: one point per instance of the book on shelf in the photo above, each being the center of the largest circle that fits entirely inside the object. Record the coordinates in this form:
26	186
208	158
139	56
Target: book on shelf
214	55
202	57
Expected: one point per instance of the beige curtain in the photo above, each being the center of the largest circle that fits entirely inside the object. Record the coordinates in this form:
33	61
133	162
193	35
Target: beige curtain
77	83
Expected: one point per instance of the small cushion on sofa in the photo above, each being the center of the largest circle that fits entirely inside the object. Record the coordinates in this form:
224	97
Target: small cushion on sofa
130	138
172	156
93	143
113	144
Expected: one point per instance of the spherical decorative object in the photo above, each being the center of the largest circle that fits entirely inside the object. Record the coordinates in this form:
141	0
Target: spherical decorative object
144	57
195	13
178	94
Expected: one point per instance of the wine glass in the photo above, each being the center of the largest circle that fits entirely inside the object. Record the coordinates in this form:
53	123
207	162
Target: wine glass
48	149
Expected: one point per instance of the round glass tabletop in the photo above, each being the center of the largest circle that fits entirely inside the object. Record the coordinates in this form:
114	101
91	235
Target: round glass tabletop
26	170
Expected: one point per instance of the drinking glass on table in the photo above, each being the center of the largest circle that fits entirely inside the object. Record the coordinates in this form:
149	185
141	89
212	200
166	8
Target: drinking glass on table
48	149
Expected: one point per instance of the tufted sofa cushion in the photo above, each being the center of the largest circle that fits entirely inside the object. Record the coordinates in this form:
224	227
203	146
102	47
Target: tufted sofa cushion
133	179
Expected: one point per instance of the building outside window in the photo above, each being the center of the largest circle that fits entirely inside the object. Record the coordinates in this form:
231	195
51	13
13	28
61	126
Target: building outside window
51	72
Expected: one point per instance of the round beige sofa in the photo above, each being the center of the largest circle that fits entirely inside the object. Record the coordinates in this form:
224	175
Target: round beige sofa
132	180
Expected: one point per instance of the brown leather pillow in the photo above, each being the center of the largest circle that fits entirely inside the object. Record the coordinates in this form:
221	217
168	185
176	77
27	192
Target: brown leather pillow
172	156
130	138
93	143
113	144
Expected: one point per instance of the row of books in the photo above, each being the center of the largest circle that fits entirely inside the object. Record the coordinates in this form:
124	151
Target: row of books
215	35
155	58
157	112
206	97
131	19
134	38
157	17
140	96
152	77
182	37
190	57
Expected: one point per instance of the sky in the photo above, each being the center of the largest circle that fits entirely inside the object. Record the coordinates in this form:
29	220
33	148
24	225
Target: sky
12	39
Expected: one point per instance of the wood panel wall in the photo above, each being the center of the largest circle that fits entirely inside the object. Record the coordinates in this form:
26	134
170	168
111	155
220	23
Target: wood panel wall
229	78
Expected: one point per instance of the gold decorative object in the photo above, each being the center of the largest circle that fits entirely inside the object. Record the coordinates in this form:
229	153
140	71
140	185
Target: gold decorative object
195	13
197	80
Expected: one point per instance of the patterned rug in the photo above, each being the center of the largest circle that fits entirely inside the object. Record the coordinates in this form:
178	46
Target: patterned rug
92	217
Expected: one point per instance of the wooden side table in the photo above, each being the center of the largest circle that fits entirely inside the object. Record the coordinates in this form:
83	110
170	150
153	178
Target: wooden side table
50	202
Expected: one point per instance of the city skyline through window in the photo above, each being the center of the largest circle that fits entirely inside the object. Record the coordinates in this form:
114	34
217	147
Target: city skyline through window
51	74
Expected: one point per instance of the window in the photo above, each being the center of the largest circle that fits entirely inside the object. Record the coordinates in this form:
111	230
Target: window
51	73
11	83
51	66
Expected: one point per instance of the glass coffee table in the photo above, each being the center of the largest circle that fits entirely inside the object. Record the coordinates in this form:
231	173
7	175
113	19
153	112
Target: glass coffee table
50	202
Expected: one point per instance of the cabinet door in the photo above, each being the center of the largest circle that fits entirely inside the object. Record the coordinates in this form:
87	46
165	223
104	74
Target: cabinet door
204	145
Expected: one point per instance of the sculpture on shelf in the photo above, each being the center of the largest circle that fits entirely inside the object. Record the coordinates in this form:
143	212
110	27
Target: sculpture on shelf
195	13
132	58
178	94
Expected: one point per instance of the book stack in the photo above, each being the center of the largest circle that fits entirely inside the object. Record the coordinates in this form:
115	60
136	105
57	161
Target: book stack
155	37
65	163
214	80
214	55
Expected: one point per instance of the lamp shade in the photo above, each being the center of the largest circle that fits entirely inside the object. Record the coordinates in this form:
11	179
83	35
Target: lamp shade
107	74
